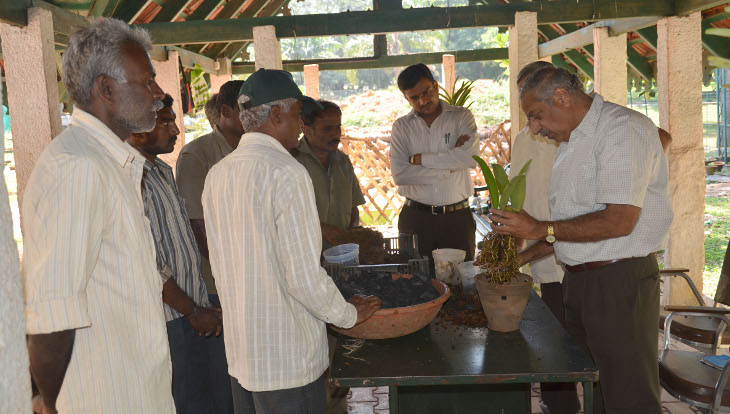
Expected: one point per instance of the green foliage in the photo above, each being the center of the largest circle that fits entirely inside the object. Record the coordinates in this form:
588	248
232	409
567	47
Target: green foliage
460	95
362	119
717	232
503	190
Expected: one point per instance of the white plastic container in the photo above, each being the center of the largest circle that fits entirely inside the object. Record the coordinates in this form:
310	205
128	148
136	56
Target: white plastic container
467	271
345	254
445	261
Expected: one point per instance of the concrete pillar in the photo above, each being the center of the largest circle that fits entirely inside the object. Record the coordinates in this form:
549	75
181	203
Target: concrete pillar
522	50
266	48
448	65
30	70
311	81
679	81
168	77
609	61
15	382
223	75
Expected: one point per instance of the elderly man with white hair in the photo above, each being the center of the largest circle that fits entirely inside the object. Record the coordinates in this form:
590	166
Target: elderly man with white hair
95	323
264	241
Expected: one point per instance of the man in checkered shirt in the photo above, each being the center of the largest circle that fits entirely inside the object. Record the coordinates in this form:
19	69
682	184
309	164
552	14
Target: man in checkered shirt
610	212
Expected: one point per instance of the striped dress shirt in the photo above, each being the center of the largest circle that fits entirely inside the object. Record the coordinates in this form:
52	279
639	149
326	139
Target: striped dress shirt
265	242
177	251
90	266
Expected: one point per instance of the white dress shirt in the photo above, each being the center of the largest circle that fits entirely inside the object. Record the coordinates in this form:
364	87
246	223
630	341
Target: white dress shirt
613	157
433	182
90	266
541	151
265	241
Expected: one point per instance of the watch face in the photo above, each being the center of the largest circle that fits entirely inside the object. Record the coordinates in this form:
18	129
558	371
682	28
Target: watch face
550	239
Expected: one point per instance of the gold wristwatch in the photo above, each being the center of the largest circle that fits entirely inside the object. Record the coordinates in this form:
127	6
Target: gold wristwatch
550	233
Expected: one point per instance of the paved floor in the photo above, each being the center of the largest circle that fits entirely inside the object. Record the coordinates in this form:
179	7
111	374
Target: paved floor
374	400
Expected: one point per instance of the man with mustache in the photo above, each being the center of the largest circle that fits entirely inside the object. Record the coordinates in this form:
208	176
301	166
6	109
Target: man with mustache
336	188
190	317
610	212
431	151
95	322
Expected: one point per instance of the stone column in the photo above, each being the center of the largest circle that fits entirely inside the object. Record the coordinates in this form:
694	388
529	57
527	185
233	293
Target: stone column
311	81
168	77
522	50
448	66
679	81
223	75
266	48
31	75
609	61
15	383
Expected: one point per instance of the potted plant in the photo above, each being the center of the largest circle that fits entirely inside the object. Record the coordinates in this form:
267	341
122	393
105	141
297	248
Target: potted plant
503	290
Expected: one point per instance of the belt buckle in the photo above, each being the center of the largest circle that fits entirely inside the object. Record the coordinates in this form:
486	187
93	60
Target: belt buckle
435	211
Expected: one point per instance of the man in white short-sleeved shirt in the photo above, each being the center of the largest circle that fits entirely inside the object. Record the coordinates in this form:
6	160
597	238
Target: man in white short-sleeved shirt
610	211
431	151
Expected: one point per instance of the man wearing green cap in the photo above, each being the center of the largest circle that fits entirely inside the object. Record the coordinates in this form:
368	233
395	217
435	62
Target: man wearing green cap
264	241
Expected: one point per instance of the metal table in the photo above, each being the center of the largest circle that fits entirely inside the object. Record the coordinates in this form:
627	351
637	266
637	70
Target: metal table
445	368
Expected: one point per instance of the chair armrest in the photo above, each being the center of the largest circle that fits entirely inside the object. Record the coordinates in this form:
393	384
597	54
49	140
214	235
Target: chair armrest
697	309
724	324
665	272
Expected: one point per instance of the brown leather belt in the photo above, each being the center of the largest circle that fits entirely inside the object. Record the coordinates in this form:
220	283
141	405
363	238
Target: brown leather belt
450	208
582	267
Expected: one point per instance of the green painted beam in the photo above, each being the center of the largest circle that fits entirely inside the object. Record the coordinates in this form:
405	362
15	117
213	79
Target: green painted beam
204	10
384	61
232	7
717	17
574	56
129	9
405	20
717	45
250	11
639	63
170	10
14	12
649	35
98	8
558	61
273	7
685	7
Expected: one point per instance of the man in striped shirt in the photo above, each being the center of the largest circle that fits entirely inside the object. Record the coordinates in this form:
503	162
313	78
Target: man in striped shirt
190	317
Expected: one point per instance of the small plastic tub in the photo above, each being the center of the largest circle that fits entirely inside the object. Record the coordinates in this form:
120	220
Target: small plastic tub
445	261
467	271
344	254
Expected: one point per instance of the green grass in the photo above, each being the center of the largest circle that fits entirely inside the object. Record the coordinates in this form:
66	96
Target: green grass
717	233
366	220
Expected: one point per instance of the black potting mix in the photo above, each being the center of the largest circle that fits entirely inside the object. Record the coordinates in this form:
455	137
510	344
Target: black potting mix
394	290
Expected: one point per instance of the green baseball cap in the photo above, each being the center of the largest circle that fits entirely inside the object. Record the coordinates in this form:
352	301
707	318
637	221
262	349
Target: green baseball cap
269	85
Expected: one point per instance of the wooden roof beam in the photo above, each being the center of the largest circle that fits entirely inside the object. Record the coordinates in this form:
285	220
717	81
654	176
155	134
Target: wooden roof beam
400	20
383	61
685	7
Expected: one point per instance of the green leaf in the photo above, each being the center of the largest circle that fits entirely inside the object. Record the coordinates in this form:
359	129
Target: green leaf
501	176
489	178
525	167
507	192
517	198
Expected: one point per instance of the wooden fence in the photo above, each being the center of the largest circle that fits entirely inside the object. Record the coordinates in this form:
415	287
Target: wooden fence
370	158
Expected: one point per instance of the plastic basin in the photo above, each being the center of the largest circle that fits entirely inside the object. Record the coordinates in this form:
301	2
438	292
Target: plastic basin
445	261
395	322
346	254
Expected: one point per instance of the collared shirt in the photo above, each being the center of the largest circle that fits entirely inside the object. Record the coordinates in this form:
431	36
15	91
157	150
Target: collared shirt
195	160
265	242
433	182
541	151
177	251
336	189
613	157
90	266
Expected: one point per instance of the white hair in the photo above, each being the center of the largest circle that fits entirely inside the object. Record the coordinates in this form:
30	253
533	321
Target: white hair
253	118
95	51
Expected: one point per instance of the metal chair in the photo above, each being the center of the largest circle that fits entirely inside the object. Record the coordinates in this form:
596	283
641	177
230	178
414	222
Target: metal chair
684	377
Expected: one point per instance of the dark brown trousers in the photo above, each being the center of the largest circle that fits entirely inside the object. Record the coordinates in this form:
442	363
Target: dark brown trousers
613	313
438	231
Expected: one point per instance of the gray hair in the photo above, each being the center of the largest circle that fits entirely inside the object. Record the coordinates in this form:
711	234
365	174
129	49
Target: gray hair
530	68
545	81
253	118
95	51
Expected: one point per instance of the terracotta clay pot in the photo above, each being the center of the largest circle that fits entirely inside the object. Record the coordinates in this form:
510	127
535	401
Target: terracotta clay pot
504	304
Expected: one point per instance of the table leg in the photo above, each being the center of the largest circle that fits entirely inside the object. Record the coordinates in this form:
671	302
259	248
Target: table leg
588	397
393	399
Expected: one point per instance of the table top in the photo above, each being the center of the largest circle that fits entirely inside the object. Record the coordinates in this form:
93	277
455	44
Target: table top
442	353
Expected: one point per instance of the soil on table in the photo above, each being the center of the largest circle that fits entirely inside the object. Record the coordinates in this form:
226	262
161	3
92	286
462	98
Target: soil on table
463	309
371	242
394	290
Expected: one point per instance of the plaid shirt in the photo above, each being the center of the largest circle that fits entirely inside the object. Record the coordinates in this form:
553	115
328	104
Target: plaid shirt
177	251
